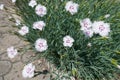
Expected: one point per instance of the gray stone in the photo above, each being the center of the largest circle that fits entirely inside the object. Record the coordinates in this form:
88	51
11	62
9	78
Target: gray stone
23	44
1	52
5	67
16	73
9	38
17	58
41	64
1	78
4	30
28	56
8	41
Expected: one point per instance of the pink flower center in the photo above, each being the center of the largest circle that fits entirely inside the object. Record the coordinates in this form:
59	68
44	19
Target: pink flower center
71	7
88	33
29	70
24	30
101	27
68	41
40	10
33	3
41	45
12	52
39	26
85	24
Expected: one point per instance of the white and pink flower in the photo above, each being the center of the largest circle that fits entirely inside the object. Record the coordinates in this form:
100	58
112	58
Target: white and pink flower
72	78
40	10
71	7
41	45
118	66
86	27
88	32
89	44
85	24
101	28
107	15
11	52
32	3
1	6
39	25
68	41
17	22
13	1
28	71
24	30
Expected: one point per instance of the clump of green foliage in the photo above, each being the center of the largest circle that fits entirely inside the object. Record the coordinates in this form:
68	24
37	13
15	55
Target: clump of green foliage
97	62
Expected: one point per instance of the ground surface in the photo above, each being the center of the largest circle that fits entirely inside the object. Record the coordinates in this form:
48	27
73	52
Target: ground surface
11	69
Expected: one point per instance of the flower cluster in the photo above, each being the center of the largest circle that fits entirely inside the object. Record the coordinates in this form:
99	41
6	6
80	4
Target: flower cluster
88	27
98	27
28	71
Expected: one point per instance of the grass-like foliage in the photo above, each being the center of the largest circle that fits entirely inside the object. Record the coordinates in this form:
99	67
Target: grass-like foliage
97	60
